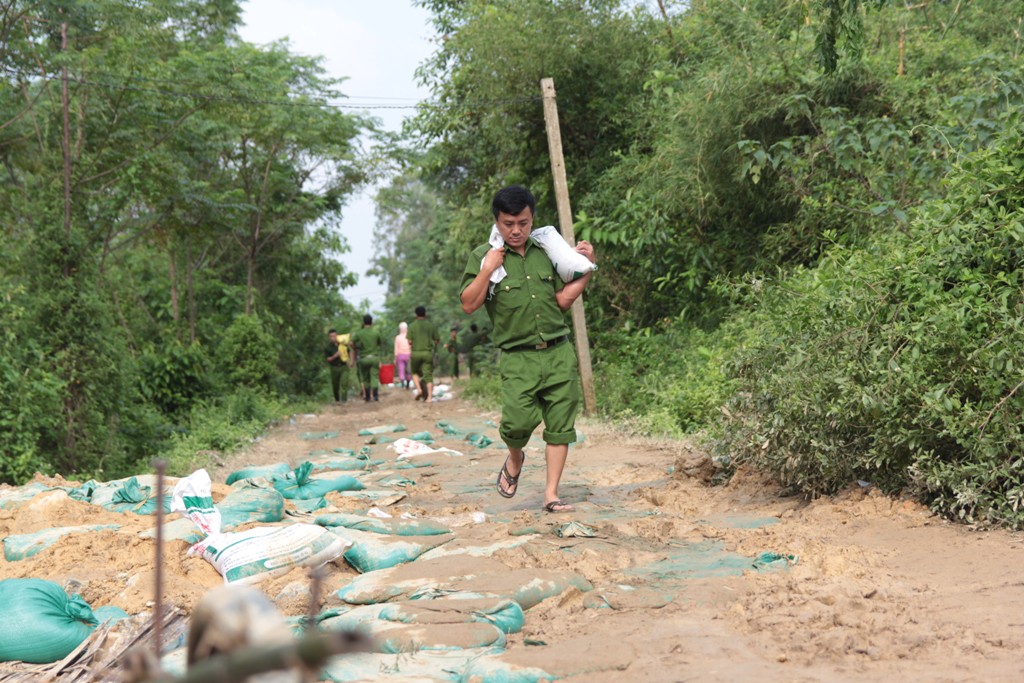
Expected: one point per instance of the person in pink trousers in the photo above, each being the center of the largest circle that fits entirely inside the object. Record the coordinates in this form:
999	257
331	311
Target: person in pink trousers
403	352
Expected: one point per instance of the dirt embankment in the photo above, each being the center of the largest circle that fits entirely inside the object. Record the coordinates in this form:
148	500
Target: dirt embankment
690	582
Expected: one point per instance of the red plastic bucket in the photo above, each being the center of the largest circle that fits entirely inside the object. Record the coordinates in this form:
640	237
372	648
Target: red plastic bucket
387	373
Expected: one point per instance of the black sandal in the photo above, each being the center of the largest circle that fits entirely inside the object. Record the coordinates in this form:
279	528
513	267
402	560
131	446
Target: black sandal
513	482
553	507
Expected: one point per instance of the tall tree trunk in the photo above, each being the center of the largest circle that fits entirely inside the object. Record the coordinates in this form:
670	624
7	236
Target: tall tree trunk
175	312
191	294
250	267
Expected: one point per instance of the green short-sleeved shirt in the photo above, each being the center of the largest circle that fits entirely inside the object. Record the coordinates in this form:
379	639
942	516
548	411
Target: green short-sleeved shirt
368	342
340	347
330	350
422	336
522	307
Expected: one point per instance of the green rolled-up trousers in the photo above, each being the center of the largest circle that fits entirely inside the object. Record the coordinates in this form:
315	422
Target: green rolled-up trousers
539	386
369	371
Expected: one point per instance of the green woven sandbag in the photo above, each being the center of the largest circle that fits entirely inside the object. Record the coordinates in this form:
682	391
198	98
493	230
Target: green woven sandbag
343	464
438	665
134	497
39	622
11	498
449	428
110	613
21	546
300	484
133	494
316	436
502	613
381	429
493	669
269	472
395	526
370	552
479	440
250	505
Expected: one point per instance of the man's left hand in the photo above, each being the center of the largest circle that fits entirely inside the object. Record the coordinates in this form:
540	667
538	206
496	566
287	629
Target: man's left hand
586	248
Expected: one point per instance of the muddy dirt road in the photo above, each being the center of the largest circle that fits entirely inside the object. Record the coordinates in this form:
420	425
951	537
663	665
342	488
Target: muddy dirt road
686	581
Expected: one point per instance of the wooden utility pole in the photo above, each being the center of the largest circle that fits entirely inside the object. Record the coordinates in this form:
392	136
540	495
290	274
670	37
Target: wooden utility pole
579	320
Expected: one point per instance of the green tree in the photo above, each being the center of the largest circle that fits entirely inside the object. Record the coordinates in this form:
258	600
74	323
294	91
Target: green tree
181	178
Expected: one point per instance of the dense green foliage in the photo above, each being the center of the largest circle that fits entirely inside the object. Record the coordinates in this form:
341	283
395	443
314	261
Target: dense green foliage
806	215
169	227
901	362
783	263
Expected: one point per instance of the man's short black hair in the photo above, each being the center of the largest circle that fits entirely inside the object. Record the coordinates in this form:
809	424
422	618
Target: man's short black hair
421	311
512	200
332	331
367	319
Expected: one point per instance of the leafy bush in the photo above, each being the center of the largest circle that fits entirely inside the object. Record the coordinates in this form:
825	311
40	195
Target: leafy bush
902	362
485	387
247	355
667	381
32	394
220	426
174	376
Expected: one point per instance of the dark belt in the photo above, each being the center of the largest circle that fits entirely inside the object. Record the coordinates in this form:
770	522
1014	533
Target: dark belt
537	347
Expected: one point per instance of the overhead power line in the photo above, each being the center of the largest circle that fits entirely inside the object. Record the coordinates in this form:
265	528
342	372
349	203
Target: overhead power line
281	102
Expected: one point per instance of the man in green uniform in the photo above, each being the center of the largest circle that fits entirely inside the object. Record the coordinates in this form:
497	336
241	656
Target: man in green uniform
338	354
452	347
470	340
369	346
539	377
423	340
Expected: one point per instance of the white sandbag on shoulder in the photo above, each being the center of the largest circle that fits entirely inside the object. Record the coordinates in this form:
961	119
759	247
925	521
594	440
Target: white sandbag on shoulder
250	556
568	263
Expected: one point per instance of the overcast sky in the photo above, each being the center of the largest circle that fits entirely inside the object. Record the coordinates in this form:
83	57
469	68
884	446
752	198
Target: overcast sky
376	45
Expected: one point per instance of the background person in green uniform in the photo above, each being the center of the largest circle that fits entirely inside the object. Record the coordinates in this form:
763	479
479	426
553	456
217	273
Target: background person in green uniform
471	339
338	356
369	346
539	377
452	347
423	339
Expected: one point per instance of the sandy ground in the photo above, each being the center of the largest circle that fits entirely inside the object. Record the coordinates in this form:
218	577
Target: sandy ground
874	588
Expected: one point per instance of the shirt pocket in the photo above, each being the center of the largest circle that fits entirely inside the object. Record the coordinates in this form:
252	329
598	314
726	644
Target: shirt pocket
508	294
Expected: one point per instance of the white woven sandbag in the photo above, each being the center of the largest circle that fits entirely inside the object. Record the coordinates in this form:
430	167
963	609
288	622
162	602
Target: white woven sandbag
247	557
